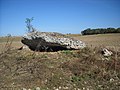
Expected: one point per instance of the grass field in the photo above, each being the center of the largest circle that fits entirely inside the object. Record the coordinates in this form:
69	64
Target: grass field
85	69
100	40
109	40
14	41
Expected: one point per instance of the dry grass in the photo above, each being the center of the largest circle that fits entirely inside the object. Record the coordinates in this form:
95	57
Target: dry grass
15	42
109	40
85	69
80	69
100	40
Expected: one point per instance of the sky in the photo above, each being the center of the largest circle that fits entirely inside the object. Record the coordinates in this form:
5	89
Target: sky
63	16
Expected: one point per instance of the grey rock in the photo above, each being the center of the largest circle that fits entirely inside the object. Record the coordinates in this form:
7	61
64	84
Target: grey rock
106	52
50	41
25	47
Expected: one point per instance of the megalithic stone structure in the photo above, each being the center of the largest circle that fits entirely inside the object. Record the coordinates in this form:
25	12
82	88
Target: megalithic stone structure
50	41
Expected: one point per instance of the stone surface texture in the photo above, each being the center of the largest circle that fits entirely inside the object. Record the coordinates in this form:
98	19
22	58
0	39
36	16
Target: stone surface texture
50	41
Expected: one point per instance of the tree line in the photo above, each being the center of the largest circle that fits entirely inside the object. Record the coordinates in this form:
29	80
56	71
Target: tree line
90	31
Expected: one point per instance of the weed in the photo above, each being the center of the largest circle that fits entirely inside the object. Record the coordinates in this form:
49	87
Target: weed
44	56
67	52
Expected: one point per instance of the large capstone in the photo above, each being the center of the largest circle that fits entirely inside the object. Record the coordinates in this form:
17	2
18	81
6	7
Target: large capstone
50	41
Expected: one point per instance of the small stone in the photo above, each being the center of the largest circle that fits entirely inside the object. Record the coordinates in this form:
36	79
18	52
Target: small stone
74	84
99	85
24	89
85	82
60	87
46	80
60	78
56	89
88	89
65	87
83	88
106	52
37	88
111	80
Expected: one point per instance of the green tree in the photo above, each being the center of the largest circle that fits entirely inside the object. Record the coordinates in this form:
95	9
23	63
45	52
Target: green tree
100	31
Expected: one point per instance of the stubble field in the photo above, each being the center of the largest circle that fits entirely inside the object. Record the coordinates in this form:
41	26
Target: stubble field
100	40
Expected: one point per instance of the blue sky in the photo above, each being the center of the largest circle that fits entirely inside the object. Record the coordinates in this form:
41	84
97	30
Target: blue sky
64	16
